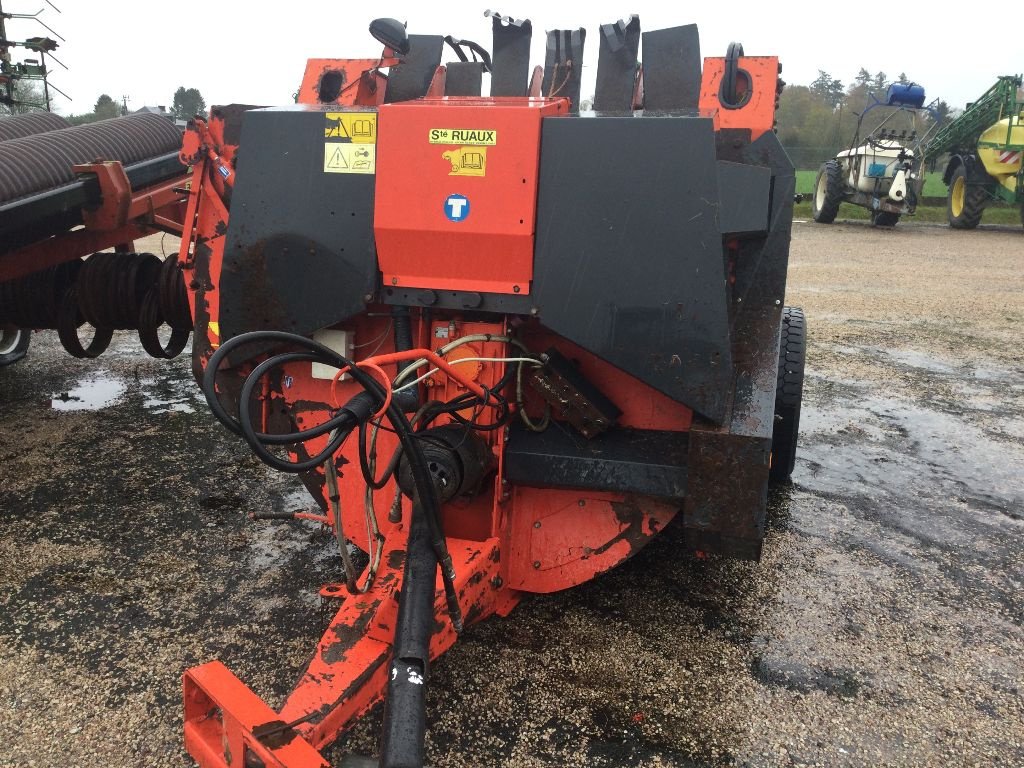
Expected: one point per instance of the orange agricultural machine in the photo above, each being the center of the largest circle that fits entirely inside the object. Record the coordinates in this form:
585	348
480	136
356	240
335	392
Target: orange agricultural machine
503	343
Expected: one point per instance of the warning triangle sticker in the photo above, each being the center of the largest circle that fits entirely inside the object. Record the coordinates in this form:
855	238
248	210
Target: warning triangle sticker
337	160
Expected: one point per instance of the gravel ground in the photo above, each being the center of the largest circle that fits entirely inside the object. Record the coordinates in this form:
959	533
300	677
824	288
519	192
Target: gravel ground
882	627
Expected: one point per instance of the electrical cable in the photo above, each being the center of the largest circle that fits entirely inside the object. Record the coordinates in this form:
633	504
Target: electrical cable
356	410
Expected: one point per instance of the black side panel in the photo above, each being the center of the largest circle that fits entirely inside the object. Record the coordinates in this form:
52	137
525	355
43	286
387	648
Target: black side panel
411	79
299	254
463	78
745	194
724	512
616	66
649	462
672	68
628	261
725	504
563	65
510	56
759	295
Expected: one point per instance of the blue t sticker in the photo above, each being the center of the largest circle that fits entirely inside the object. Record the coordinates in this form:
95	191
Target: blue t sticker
456	207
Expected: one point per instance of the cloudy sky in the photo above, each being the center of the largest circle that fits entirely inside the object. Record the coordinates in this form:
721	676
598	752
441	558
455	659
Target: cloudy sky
235	51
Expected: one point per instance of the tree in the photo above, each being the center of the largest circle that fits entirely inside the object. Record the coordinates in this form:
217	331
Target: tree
903	79
106	108
863	78
188	103
880	83
828	89
28	95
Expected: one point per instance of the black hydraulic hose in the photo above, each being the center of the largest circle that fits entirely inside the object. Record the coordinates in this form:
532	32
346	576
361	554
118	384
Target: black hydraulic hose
345	422
425	491
405	709
403	333
408	399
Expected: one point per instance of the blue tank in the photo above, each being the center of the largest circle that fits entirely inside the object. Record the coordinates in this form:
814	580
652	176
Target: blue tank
909	95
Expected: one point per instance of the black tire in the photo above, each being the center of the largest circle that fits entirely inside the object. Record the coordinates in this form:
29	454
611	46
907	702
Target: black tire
13	344
884	219
828	193
964	212
789	391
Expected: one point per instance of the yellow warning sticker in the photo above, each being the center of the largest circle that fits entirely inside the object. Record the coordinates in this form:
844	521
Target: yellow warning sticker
349	158
477	137
356	127
467	161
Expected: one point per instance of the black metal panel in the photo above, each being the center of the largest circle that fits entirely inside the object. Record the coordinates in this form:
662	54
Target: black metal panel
726	500
563	65
759	294
510	56
463	78
502	303
649	462
628	261
411	79
616	66
728	517
672	68
299	254
745	193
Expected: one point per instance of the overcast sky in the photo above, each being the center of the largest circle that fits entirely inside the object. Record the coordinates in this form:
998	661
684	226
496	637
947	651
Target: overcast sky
235	51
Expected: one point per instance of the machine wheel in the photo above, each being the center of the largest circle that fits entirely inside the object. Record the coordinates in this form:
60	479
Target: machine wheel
13	344
828	193
965	203
885	219
789	389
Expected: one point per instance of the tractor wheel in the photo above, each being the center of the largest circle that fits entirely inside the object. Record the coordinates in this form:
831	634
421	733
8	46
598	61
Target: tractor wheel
885	219
828	193
965	203
13	344
789	390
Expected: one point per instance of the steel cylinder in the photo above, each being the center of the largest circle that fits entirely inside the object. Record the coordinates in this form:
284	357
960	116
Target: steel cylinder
29	124
38	163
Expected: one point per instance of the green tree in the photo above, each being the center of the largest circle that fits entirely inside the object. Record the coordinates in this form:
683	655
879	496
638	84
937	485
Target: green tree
903	79
880	83
828	89
27	96
106	108
187	103
863	78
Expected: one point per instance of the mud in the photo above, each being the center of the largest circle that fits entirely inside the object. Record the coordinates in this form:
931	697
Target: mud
882	627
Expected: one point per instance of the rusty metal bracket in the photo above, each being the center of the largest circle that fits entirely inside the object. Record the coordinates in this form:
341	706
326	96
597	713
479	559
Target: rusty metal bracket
116	191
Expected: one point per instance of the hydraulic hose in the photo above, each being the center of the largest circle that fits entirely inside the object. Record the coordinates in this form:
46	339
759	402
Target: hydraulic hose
356	410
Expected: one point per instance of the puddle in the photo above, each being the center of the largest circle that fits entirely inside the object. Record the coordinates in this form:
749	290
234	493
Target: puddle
171	395
939	478
914	359
91	394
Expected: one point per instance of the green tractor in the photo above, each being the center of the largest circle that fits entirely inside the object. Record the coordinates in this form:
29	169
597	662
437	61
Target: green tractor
985	146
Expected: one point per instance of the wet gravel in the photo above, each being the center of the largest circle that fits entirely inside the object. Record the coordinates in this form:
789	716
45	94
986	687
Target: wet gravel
882	627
